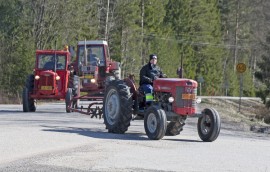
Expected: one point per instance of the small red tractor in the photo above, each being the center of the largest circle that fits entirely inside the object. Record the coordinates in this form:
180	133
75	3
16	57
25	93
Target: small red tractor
97	78
49	80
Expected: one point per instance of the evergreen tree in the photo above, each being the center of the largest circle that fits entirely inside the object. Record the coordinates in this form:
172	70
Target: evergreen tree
235	16
263	74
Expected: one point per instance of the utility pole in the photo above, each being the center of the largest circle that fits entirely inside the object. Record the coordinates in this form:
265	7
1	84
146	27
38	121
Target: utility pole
107	20
236	34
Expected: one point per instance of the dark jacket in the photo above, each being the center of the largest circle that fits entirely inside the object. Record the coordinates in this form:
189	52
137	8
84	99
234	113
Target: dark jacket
149	73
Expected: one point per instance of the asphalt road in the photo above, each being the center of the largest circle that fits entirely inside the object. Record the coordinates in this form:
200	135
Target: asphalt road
52	140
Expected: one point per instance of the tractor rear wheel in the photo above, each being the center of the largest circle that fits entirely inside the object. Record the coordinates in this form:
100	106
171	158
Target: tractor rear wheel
29	104
69	96
117	107
68	99
209	125
155	123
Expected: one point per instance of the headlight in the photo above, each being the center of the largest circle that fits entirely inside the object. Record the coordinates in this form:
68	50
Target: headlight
37	77
92	80
198	100
57	78
171	99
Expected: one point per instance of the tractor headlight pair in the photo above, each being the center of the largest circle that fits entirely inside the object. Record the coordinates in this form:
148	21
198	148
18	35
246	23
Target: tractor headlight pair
91	81
38	77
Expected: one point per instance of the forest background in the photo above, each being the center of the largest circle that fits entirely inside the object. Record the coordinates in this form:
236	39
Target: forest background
208	38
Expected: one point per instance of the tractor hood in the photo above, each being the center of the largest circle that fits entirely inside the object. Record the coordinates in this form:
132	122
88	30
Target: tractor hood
168	84
48	73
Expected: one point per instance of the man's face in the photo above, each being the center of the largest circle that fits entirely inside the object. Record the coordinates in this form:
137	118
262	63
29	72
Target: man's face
153	60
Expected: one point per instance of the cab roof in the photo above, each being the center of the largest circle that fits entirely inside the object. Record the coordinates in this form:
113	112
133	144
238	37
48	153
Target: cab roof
51	52
93	42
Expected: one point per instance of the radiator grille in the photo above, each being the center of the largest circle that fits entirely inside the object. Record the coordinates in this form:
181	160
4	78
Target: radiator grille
46	80
181	103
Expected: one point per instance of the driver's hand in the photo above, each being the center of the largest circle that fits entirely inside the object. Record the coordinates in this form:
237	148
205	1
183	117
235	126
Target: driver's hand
164	76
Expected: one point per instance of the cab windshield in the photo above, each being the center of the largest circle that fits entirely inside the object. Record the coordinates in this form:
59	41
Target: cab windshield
94	54
47	61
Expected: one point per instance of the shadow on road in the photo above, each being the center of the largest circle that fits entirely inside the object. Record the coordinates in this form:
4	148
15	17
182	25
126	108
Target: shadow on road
37	112
96	133
183	140
10	111
100	134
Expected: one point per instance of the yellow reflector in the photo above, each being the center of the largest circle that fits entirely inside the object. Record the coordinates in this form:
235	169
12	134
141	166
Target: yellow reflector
188	96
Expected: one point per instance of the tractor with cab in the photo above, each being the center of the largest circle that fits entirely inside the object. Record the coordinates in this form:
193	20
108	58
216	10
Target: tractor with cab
50	78
93	70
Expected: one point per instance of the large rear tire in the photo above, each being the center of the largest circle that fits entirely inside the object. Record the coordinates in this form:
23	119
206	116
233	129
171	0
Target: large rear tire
209	125
29	104
68	99
117	107
155	123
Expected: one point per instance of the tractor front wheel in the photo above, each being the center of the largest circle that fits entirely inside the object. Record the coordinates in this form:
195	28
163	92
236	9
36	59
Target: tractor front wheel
209	125
155	123
117	107
29	104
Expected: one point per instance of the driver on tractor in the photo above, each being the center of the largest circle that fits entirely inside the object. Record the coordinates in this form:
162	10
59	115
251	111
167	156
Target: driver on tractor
92	58
148	74
50	64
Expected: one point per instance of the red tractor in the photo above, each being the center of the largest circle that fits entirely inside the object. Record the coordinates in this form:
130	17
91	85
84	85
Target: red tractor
93	70
98	79
174	101
49	80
